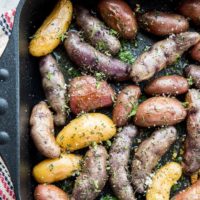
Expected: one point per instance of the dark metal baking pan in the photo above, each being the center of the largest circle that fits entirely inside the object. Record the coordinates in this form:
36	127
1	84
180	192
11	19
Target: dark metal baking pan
23	88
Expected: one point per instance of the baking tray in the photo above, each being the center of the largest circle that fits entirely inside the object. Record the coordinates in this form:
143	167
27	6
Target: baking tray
23	90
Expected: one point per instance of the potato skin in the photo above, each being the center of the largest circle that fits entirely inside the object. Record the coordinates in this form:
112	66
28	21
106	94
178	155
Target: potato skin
163	180
47	37
95	32
163	23
118	15
161	55
88	58
57	169
82	131
86	94
193	71
159	111
172	85
191	9
148	154
195	52
118	159
190	193
53	83
49	192
93	176
192	144
126	99
42	130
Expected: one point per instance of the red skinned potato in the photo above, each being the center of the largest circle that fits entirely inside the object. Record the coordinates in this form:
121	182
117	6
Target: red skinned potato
163	23
42	130
159	111
118	15
126	100
173	85
49	192
86	94
191	9
193	73
195	52
190	193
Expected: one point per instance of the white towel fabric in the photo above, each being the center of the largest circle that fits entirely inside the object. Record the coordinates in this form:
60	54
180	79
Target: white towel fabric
7	13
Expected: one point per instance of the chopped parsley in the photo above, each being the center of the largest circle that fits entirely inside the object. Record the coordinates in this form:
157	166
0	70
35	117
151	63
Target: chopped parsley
126	56
190	81
133	111
108	197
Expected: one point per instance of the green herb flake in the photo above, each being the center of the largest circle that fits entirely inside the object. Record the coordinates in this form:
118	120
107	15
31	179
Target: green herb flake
113	32
126	56
190	81
49	76
108	197
185	104
133	111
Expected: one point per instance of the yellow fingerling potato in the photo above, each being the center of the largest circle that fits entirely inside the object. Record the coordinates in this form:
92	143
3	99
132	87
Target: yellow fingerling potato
163	180
48	36
57	169
86	129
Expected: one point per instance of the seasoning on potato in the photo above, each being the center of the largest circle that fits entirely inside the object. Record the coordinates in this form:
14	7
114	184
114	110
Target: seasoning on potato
162	54
57	169
127	100
191	161
96	33
163	23
193	75
172	85
163	180
49	192
48	36
118	15
190	193
191	9
90	59
85	130
118	159
42	131
148	153
87	93
195	52
159	111
93	176
54	86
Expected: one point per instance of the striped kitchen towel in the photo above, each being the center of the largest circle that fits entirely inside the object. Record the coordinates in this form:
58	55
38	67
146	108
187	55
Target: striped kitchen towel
7	13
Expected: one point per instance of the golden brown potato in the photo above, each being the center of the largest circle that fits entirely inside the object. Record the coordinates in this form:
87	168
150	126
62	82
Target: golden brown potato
57	169
191	9
85	130
42	131
163	180
86	94
163	23
118	15
159	111
191	193
195	52
48	36
126	100
49	192
173	85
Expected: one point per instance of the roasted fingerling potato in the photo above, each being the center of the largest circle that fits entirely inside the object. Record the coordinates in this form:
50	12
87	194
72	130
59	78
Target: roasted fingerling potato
57	169
48	36
118	15
42	131
84	130
49	192
163	23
